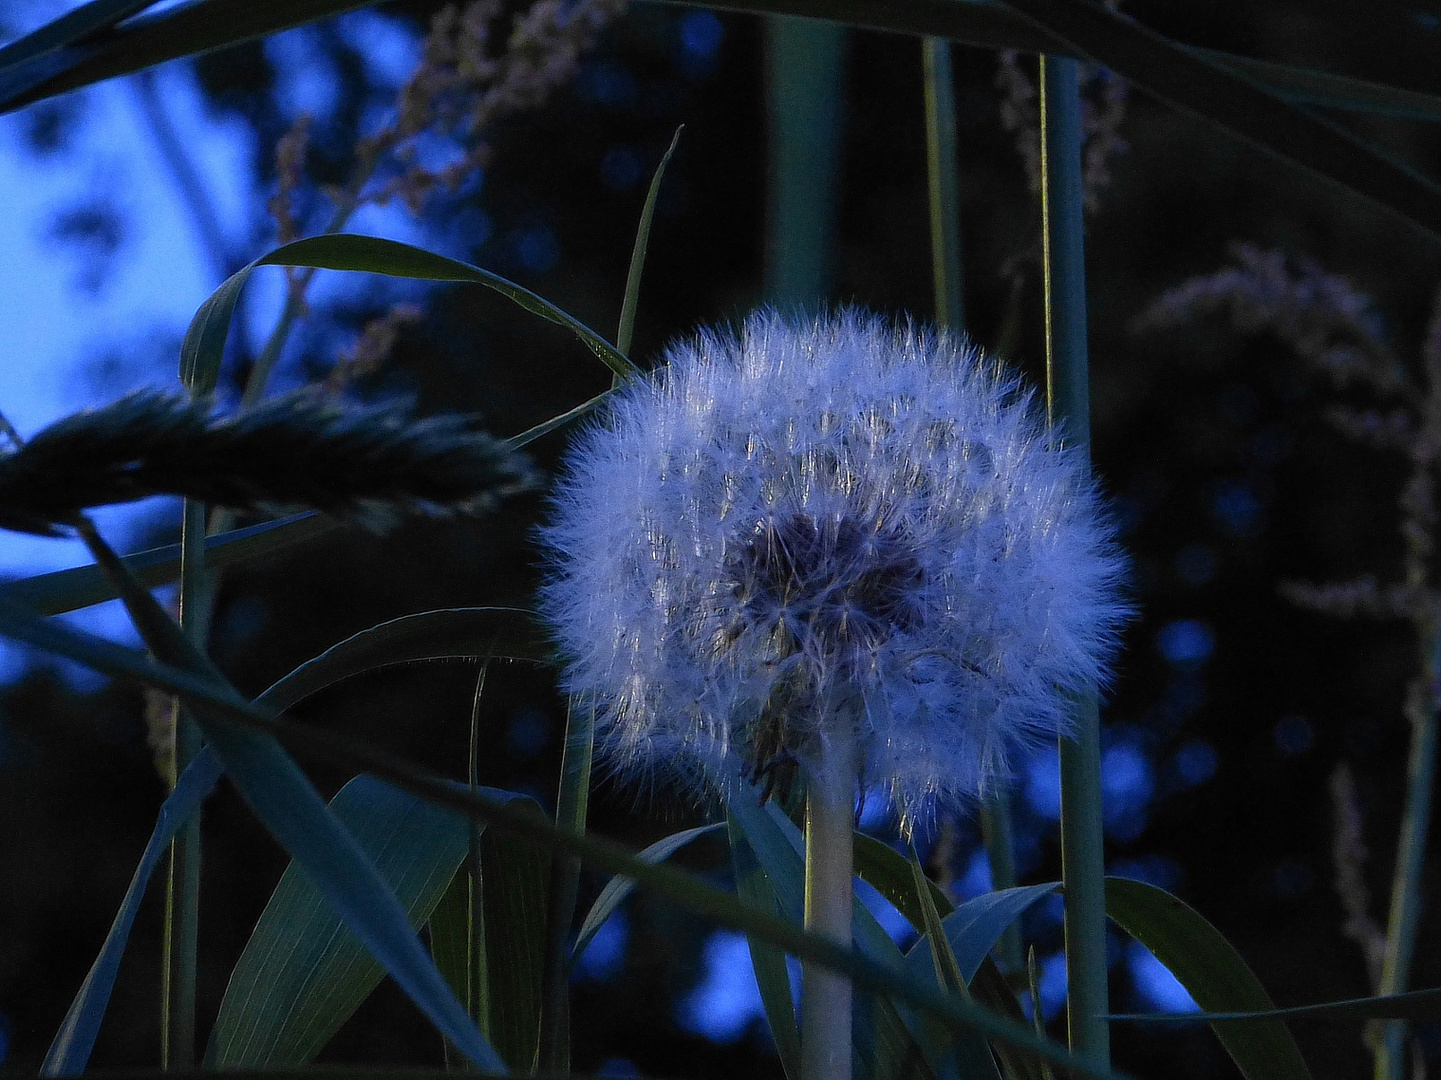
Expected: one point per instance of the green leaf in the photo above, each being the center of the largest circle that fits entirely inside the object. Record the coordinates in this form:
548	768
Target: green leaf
289	806
507	633
69	1054
37	57
1421	1005
1212	972
451	935
637	255
182	30
82	586
618	888
204	344
886	870
974	928
685	889
303	974
515	886
1216	93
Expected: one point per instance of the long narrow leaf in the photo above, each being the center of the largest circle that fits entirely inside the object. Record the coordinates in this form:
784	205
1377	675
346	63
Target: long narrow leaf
1212	972
69	1054
36	58
204	344
1421	1005
618	888
722	908
506	633
631	300
82	586
198	27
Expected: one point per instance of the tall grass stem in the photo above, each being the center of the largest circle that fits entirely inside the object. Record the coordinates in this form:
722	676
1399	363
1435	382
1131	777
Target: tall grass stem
571	809
943	183
830	863
182	893
1083	864
1403	923
804	60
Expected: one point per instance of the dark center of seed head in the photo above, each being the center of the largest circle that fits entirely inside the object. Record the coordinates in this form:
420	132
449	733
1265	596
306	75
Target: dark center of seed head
836	581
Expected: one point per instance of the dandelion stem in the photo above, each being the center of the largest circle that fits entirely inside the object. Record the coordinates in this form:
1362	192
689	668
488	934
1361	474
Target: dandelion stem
1083	864
830	823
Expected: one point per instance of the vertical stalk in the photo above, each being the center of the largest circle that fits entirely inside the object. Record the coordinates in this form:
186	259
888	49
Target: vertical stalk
803	77
182	894
1068	401
1404	920
571	807
943	183
830	824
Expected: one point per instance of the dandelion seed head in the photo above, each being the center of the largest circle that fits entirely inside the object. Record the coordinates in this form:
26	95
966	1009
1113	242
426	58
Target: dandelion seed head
838	522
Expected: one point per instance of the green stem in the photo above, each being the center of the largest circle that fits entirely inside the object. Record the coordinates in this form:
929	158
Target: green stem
571	807
1001	852
182	892
830	825
1083	864
803	69
1404	921
943	183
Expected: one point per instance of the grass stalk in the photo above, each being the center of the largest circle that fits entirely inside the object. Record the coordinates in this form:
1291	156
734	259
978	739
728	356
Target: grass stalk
830	823
1068	402
571	808
182	892
803	78
1404	920
943	183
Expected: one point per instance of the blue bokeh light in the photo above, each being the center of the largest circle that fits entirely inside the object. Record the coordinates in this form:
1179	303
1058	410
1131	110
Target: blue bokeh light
605	955
726	1001
1156	988
1186	642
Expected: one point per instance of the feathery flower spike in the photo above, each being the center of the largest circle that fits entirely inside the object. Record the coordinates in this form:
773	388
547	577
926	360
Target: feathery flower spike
838	522
367	463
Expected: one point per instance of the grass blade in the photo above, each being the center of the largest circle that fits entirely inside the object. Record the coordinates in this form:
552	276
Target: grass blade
69	1054
82	586
1216	93
1212	972
618	888
637	255
772	973
506	633
204	345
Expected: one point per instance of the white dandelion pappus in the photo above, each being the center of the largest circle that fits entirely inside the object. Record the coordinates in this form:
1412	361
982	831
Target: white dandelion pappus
838	522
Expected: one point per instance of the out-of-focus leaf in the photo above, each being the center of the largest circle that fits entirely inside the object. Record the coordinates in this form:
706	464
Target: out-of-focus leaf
204	344
69	1054
1216	93
303	974
637	256
618	888
199	27
82	586
1419	1005
1212	972
37	57
723	908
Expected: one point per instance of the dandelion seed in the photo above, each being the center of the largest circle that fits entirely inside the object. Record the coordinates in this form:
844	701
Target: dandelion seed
834	523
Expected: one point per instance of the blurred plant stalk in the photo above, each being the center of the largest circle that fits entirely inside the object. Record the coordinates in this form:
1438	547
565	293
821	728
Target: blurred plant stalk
1083	865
